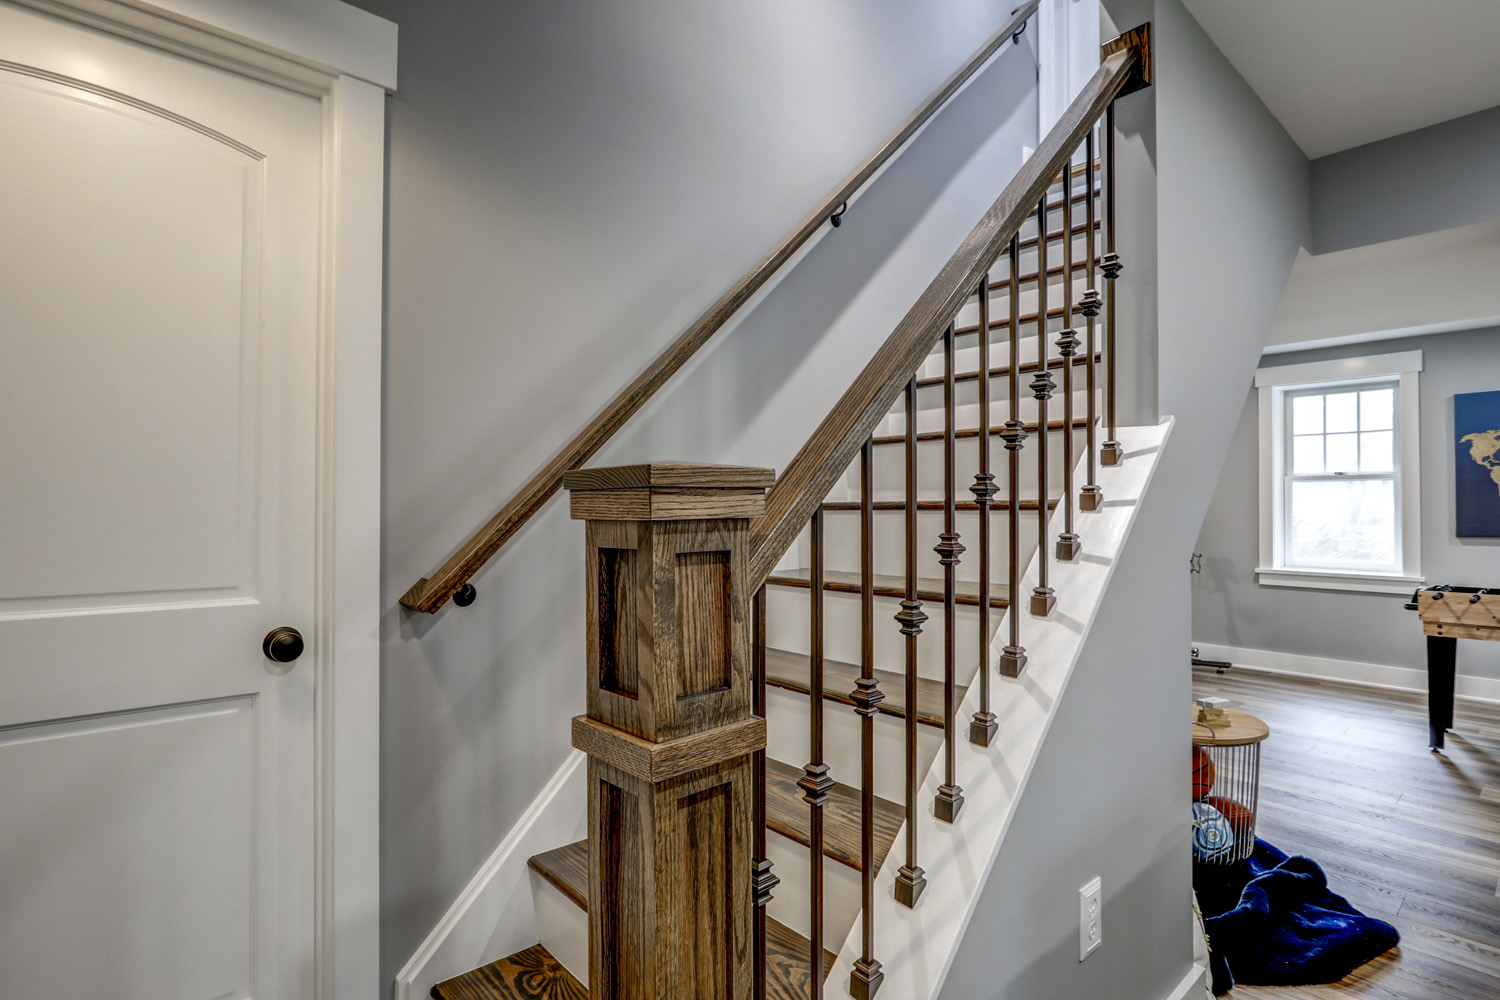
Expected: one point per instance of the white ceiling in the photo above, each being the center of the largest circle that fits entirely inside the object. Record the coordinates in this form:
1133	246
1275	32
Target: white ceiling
1341	73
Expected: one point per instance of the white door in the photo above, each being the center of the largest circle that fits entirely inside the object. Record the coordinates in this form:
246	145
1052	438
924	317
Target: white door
158	317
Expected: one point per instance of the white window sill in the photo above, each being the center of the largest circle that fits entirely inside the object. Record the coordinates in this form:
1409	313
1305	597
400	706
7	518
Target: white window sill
1370	583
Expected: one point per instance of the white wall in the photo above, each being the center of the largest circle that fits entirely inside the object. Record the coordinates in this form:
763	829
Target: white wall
1228	193
1231	609
1432	283
1418	182
571	183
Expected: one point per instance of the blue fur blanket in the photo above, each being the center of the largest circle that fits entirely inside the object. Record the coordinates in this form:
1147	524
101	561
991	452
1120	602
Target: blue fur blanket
1271	921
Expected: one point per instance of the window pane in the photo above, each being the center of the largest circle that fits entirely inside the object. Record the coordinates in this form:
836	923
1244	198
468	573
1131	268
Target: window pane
1342	412
1377	410
1349	524
1307	455
1377	451
1343	453
1307	414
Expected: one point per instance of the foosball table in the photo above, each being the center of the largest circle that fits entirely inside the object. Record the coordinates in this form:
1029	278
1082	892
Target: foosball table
1449	614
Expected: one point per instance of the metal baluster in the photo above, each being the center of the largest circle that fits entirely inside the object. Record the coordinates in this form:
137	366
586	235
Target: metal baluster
1043	600
762	881
815	782
983	726
865	980
1109	265
1068	542
950	797
1013	657
911	879
1091	495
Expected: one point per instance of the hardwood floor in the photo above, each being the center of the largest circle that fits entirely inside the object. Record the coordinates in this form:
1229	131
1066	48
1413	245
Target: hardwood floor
1408	836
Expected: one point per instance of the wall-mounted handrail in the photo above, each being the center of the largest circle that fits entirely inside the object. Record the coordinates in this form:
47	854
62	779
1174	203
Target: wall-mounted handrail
823	459
431	593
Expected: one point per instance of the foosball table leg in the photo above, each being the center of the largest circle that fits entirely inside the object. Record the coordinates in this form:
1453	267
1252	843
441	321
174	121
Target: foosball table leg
1442	658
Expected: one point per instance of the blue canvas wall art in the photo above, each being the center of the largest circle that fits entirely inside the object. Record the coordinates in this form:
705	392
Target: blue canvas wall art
1476	490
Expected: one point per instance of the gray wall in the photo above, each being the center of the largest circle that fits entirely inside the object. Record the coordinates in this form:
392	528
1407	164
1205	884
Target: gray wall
1230	608
1434	178
571	183
1231	196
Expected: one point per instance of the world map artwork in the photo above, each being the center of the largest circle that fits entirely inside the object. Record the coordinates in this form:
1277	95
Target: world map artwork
1476	424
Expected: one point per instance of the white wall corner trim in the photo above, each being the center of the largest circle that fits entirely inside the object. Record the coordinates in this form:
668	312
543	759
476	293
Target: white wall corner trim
1377	675
494	915
346	58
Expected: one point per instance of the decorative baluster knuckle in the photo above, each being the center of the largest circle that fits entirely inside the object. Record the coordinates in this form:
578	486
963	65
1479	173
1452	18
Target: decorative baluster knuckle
1042	385
949	549
867	697
984	488
1014	435
1091	303
1068	343
762	881
911	616
1110	266
816	784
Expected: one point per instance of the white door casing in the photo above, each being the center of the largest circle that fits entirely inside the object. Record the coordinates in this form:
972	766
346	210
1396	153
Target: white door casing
190	321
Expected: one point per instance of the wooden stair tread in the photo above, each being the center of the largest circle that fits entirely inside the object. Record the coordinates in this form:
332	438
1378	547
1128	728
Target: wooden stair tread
973	432
787	812
568	869
938	505
790	671
788	954
532	974
889	585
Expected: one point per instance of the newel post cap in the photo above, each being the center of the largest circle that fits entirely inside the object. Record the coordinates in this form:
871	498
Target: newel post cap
668	491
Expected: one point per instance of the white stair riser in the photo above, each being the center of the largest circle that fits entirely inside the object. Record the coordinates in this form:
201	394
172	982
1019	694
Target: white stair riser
841	545
791	901
787	722
564	927
788	627
966	410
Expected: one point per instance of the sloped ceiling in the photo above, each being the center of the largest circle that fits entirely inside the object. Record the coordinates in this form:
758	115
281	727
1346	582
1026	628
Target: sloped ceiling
1341	73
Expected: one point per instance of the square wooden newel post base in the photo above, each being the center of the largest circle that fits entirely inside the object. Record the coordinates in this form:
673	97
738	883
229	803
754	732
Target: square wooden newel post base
669	732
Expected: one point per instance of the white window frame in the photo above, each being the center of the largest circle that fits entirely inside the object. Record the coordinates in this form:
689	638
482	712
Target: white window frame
1273	385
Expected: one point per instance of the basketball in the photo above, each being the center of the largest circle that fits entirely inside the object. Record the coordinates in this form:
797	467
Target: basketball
1240	818
1203	773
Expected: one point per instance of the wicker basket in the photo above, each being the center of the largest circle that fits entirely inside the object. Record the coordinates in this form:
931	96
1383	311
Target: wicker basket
1226	785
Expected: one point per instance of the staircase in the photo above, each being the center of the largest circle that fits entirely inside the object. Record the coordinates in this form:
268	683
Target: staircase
780	684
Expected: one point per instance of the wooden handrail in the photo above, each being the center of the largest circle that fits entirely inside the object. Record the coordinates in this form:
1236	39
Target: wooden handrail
827	454
431	593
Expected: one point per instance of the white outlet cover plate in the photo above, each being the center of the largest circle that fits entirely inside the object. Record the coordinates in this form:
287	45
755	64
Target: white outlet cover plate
1090	918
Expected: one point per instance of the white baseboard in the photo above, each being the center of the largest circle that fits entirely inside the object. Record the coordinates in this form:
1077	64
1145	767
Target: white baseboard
494	916
1192	985
1352	671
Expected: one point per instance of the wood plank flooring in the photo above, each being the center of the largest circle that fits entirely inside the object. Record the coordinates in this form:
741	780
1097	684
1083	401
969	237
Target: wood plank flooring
1408	836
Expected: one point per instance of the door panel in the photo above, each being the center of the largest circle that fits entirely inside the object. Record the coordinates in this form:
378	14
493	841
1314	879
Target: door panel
134	373
159	351
154	812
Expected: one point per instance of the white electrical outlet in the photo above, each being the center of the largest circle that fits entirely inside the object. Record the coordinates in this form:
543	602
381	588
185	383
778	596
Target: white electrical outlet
1090	918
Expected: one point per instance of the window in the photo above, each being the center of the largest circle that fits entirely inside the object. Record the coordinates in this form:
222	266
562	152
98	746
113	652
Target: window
1339	467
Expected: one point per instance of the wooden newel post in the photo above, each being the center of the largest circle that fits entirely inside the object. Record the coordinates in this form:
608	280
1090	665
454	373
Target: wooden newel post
669	731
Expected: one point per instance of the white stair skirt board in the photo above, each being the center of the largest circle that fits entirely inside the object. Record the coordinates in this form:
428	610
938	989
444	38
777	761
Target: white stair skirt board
916	946
1351	671
1193	986
496	915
